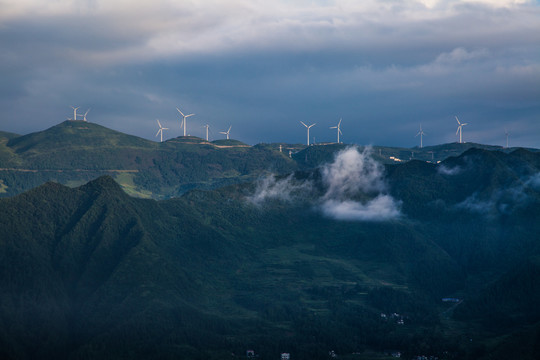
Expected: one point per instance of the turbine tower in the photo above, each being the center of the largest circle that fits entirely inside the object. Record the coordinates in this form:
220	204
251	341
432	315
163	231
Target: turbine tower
86	113
421	133
308	130
160	131
226	132
506	133
184	117
75	112
338	129
207	127
459	130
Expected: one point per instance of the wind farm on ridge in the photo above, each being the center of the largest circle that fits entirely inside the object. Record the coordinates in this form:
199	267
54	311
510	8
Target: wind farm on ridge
310	140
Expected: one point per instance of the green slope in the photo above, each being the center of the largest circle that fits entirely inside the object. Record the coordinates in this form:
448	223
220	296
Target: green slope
120	275
90	272
76	134
75	152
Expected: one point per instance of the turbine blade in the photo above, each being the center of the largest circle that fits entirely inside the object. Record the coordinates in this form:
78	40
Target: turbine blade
180	111
339	123
464	124
458	121
159	124
457	131
303	123
158	132
333	127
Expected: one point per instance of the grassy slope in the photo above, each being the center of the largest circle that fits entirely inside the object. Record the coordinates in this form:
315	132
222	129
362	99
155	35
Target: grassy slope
76	151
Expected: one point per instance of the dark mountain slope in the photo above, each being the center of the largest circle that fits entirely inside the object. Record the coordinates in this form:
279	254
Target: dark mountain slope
87	263
8	158
484	199
510	301
8	135
93	273
112	276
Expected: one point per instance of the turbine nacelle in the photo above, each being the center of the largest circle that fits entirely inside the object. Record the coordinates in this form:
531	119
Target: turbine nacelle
207	129
160	131
75	112
338	130
184	117
460	130
226	132
308	127
421	133
86	113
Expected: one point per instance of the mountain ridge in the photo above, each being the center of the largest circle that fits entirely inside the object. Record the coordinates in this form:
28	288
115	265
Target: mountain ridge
75	152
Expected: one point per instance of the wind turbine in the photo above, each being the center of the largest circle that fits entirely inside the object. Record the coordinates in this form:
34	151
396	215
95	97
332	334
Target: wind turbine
207	127
459	130
184	117
308	130
421	133
506	133
75	112
338	129
226	132
160	131
86	113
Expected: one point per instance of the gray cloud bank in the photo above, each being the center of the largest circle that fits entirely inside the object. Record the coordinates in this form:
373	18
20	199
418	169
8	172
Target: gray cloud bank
354	189
262	66
504	200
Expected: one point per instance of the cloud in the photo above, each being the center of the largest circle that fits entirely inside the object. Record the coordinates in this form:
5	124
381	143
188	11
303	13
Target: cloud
475	204
504	200
352	172
352	175
534	181
378	64
286	189
459	56
119	31
382	207
445	170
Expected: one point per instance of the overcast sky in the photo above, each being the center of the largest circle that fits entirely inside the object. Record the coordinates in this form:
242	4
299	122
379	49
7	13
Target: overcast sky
385	67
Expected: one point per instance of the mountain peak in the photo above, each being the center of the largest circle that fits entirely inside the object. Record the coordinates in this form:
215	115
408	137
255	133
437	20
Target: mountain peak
101	185
75	134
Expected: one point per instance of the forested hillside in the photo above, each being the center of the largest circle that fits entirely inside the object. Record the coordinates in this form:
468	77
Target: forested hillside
352	257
